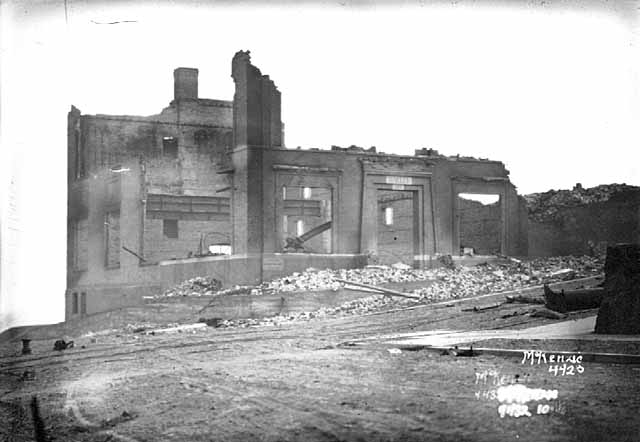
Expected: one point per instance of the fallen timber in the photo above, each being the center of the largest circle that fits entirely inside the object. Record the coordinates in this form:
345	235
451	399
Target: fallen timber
384	291
572	300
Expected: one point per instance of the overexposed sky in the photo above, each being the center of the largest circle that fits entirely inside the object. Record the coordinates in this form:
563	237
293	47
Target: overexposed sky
551	88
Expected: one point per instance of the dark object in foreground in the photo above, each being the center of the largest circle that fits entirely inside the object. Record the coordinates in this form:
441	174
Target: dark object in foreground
465	353
572	300
620	309
455	351
60	345
40	433
211	322
523	299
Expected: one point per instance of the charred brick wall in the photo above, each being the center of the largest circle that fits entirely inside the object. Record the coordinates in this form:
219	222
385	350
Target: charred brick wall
158	246
181	150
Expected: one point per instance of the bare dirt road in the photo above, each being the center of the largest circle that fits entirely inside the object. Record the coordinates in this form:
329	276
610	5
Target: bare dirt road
302	381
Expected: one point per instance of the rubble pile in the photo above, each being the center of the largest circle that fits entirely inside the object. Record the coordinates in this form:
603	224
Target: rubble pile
463	282
313	279
445	284
546	206
198	286
459	281
500	276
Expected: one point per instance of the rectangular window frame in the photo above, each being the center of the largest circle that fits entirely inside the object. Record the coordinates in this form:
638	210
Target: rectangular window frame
170	229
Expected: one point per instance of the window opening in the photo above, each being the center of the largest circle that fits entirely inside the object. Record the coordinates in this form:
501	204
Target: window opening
170	147
388	216
299	227
170	228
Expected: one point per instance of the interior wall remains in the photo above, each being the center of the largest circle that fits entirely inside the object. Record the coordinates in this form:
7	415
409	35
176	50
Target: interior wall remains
480	226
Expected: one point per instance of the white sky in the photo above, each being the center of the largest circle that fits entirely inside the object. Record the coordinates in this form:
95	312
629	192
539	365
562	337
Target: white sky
552	89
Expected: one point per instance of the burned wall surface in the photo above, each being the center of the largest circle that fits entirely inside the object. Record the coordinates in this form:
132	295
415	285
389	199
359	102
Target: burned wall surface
121	167
207	187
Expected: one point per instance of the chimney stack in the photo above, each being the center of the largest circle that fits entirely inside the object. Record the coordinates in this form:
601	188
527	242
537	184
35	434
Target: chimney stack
185	84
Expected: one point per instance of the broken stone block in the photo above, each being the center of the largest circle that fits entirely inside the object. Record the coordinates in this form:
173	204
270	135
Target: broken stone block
620	309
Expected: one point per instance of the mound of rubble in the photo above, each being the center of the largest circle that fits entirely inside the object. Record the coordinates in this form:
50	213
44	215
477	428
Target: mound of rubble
444	284
453	282
463	280
198	286
546	206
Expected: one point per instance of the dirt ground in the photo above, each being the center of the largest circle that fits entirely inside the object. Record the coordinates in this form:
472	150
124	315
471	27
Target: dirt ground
302	381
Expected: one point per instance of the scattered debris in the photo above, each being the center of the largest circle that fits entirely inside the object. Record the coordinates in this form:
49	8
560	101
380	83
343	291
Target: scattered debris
563	274
211	322
516	313
522	299
198	286
236	290
482	307
178	329
436	285
467	353
60	345
446	261
460	281
124	417
401	266
546	313
458	352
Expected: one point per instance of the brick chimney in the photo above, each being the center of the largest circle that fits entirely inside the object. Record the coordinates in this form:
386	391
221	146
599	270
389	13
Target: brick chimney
185	84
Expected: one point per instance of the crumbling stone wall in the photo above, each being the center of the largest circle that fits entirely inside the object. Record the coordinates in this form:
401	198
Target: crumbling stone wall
158	247
587	228
257	130
180	150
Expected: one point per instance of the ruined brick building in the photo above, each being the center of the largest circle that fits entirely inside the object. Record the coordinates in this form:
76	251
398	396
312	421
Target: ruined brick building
207	187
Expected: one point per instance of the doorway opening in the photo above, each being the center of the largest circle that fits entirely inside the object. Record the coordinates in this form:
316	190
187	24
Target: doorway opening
397	226
479	224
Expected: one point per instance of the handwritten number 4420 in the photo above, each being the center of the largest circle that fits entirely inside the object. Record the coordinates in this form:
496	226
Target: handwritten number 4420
564	369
